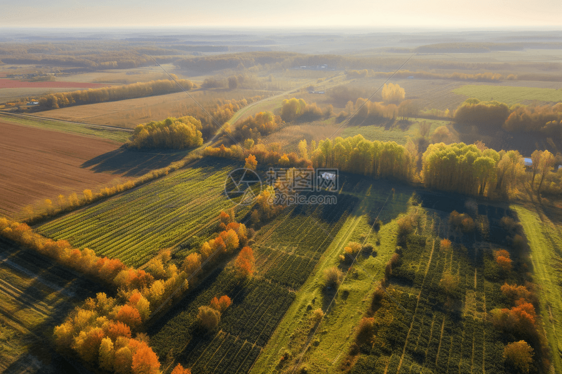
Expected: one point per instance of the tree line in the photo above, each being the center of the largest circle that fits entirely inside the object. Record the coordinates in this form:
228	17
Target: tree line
100	331
545	119
254	127
293	109
478	77
113	93
171	133
458	167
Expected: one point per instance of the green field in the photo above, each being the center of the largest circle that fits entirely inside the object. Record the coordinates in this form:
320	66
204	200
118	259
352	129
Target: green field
116	135
544	234
288	250
135	225
510	94
343	315
415	331
394	133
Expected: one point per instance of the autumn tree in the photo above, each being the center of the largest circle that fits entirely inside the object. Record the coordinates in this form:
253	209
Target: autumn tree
245	263
545	167
518	355
445	244
221	304
251	162
87	344
180	370
303	149
88	195
332	277
144	361
208	317
106	354
123	360
393	93
191	263
129	316
113	330
503	259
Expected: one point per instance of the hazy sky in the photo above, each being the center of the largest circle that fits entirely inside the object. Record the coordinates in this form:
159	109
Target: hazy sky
282	13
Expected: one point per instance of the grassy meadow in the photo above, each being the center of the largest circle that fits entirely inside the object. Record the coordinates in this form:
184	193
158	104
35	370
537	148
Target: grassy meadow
510	94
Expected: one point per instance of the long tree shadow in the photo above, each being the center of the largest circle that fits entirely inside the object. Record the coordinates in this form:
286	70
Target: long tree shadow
46	282
132	163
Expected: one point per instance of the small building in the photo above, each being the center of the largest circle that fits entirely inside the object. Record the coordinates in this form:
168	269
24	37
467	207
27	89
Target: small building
329	176
528	162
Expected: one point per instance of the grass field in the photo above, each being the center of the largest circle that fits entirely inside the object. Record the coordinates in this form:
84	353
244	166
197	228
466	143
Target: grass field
132	112
40	163
35	295
287	250
543	229
415	332
510	94
345	313
165	213
394	133
109	134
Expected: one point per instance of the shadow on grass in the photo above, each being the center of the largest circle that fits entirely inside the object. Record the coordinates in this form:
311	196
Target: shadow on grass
132	163
45	276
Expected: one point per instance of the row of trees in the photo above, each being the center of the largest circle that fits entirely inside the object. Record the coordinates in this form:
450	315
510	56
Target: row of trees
49	208
212	117
393	93
259	153
361	156
471	170
468	169
293	109
544	119
480	77
99	95
254	127
100	331
172	133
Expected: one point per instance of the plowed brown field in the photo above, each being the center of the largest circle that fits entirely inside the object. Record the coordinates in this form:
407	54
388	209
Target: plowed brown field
37	164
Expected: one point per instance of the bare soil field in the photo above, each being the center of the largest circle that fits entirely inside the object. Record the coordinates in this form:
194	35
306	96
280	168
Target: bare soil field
39	164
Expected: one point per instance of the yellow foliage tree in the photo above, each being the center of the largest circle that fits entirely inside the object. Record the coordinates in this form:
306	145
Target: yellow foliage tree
393	93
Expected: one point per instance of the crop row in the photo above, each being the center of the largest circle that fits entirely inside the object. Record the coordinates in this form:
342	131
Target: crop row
245	327
441	339
291	270
135	225
309	229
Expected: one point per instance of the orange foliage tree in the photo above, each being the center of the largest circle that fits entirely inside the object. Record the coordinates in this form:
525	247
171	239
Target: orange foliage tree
191	263
245	263
251	162
503	259
180	370
129	316
221	304
445	244
145	361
